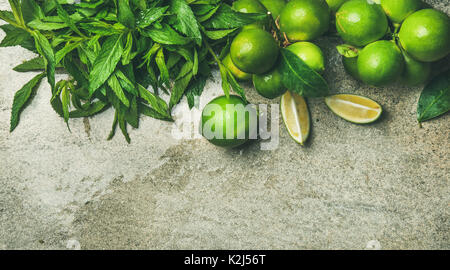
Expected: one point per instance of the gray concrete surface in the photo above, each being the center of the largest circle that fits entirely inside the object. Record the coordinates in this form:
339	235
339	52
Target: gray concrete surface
351	184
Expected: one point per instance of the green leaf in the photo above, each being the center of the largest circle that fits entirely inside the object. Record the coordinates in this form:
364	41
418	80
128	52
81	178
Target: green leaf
65	99
65	50
299	77
88	109
219	34
22	98
106	62
100	28
46	26
123	126
125	15
8	17
150	112
166	35
149	16
195	90
114	83
224	75
114	126
435	98
62	13
31	10
179	88
45	49
227	18
235	85
348	51
132	114
187	23
35	64
155	102
161	63
16	36
127	55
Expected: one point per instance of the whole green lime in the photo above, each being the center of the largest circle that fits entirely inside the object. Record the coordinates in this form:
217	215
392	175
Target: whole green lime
335	4
415	72
238	74
223	112
274	6
351	66
310	53
359	22
380	63
251	6
398	10
303	20
254	51
269	85
425	35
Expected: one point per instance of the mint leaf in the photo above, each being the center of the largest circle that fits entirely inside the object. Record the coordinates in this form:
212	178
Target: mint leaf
106	62
22	98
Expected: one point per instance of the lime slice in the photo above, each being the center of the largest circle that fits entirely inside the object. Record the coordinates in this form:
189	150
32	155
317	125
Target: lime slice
296	116
353	108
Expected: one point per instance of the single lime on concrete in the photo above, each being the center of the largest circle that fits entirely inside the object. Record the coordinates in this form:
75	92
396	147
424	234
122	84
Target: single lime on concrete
269	85
416	72
380	63
238	74
353	108
398	10
335	4
425	35
310	53
225	123
274	6
254	51
304	20
251	6
295	113
359	22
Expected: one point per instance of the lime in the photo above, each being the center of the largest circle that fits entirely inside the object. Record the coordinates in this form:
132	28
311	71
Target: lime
353	108
220	122
251	6
415	72
425	35
335	4
294	110
380	63
360	23
254	51
238	74
310	53
398	10
351	66
274	6
305	19
269	85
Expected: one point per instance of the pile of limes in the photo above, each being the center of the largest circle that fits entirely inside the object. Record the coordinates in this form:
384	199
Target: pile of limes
388	39
395	39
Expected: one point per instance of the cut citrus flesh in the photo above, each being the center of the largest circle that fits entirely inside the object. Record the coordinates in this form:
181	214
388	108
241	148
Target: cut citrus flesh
296	116
353	108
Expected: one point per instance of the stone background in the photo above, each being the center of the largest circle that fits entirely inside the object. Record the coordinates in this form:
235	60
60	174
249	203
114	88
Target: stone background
351	184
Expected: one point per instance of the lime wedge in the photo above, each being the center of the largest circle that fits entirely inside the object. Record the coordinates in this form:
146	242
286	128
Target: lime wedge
296	116
353	108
